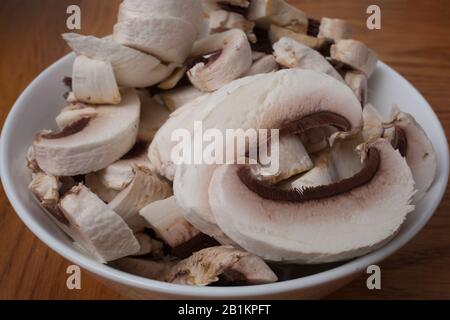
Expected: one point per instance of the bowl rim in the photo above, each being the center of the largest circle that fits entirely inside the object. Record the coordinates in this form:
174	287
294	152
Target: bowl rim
348	269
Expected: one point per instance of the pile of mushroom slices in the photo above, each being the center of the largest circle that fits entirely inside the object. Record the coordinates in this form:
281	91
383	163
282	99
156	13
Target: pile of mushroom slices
347	178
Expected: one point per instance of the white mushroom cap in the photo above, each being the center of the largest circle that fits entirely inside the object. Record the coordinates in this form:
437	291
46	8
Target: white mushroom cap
231	58
356	55
335	29
90	144
333	228
188	10
93	81
292	54
145	34
132	68
99	229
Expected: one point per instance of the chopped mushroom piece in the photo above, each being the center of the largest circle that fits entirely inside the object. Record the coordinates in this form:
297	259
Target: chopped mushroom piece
277	32
176	98
266	64
279	12
145	188
90	144
173	80
319	224
153	117
292	54
315	140
98	228
335	29
74	112
94	183
166	219
93	81
356	55
221	20
240	6
357	81
229	56
149	245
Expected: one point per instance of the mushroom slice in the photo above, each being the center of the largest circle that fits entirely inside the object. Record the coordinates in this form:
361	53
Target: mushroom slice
356	55
230	56
188	10
319	224
292	160
208	265
292	54
94	183
278	12
146	268
335	29
149	245
145	34
221	20
173	80
74	112
98	228
413	143
153	117
288	100
266	64
176	98
46	189
90	144
277	32
315	140
165	217
357	81
93	81
145	188
132	68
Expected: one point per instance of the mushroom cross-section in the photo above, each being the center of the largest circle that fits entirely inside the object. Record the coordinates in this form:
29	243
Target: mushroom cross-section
318	224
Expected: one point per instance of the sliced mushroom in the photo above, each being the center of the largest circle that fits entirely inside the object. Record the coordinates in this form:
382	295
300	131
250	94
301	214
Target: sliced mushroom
286	99
149	245
153	117
98	228
292	54
266	64
315	140
46	189
221	20
94	183
145	34
292	160
318	224
146	268
207	266
230	56
145	188
132	68
413	143
173	80
166	219
335	29
277	32
93	81
74	112
357	81
356	55
279	12
188	10
176	98
90	144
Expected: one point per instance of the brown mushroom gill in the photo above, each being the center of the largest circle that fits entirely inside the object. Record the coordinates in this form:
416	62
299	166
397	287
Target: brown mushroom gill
316	120
400	141
69	130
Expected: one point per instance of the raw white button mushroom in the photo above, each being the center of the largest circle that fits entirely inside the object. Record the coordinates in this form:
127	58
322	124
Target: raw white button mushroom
230	56
166	219
277	32
73	113
221	20
145	188
176	98
173	80
188	10
357	81
292	54
279	12
146	34
46	189
98	228
298	99
90	144
93	81
208	265
293	159
153	117
148	245
356	55
132	68
413	143
319	224
266	64
335	29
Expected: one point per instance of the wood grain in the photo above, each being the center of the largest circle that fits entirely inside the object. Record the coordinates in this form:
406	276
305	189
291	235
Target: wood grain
414	40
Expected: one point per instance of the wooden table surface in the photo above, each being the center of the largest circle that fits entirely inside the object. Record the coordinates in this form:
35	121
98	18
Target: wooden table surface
414	40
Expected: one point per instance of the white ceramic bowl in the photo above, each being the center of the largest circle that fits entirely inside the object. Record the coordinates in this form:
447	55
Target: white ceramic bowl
40	103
